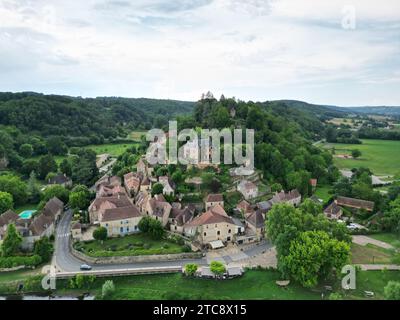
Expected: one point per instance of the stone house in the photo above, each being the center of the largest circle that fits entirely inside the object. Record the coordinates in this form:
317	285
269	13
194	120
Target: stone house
333	211
256	223
213	200
121	221
292	197
99	205
60	179
248	189
355	203
212	225
168	184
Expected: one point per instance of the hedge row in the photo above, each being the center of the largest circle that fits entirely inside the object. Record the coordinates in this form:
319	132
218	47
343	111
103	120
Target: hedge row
27	261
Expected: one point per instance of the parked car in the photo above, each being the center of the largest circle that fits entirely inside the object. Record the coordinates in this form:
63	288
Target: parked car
86	267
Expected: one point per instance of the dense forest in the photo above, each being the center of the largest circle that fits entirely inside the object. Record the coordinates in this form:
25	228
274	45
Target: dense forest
33	124
52	115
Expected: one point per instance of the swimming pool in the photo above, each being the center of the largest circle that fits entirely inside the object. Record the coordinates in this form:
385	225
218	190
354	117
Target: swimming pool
27	214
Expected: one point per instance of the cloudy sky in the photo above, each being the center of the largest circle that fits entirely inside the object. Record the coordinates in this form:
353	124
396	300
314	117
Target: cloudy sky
311	50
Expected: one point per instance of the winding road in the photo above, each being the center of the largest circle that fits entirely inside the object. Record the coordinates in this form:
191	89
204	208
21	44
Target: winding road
66	262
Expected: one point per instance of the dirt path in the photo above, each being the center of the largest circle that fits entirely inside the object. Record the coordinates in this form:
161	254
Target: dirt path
364	240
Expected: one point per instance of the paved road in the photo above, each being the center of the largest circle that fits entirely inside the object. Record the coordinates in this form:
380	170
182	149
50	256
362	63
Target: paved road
66	262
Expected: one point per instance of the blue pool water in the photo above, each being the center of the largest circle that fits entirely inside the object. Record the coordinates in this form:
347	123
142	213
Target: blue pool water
27	214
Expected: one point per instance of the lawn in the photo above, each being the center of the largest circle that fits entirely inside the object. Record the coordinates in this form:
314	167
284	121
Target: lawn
254	284
391	238
322	192
114	149
374	281
136	135
19	275
131	245
371	254
381	156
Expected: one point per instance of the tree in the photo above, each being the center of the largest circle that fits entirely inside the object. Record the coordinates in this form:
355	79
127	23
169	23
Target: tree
177	176
107	289
100	234
191	268
285	223
144	224
66	168
6	202
218	268
14	186
26	150
156	229
391	217
152	227
79	200
157	188
12	241
43	248
56	146
356	153
314	255
33	189
28	166
309	206
82	281
55	191
276	187
392	290
83	167
46	164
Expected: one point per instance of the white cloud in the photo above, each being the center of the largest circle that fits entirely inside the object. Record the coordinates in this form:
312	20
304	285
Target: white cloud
259	49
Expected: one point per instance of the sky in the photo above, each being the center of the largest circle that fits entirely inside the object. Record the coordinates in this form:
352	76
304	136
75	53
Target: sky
335	52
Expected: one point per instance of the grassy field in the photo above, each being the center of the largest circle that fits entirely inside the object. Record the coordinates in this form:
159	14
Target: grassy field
136	135
391	238
112	149
370	254
381	156
322	192
254	284
132	245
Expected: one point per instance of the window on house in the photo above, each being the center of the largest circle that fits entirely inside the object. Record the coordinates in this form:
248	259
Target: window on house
229	231
121	229
205	233
218	232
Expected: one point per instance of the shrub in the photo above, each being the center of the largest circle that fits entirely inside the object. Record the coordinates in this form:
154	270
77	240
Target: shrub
81	281
12	262
100	234
108	289
392	290
191	268
218	268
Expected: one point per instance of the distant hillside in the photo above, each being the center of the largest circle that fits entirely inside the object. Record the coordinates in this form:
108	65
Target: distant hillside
386	111
48	115
335	111
321	111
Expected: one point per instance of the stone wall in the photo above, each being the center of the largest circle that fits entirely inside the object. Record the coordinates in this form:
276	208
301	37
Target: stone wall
134	259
